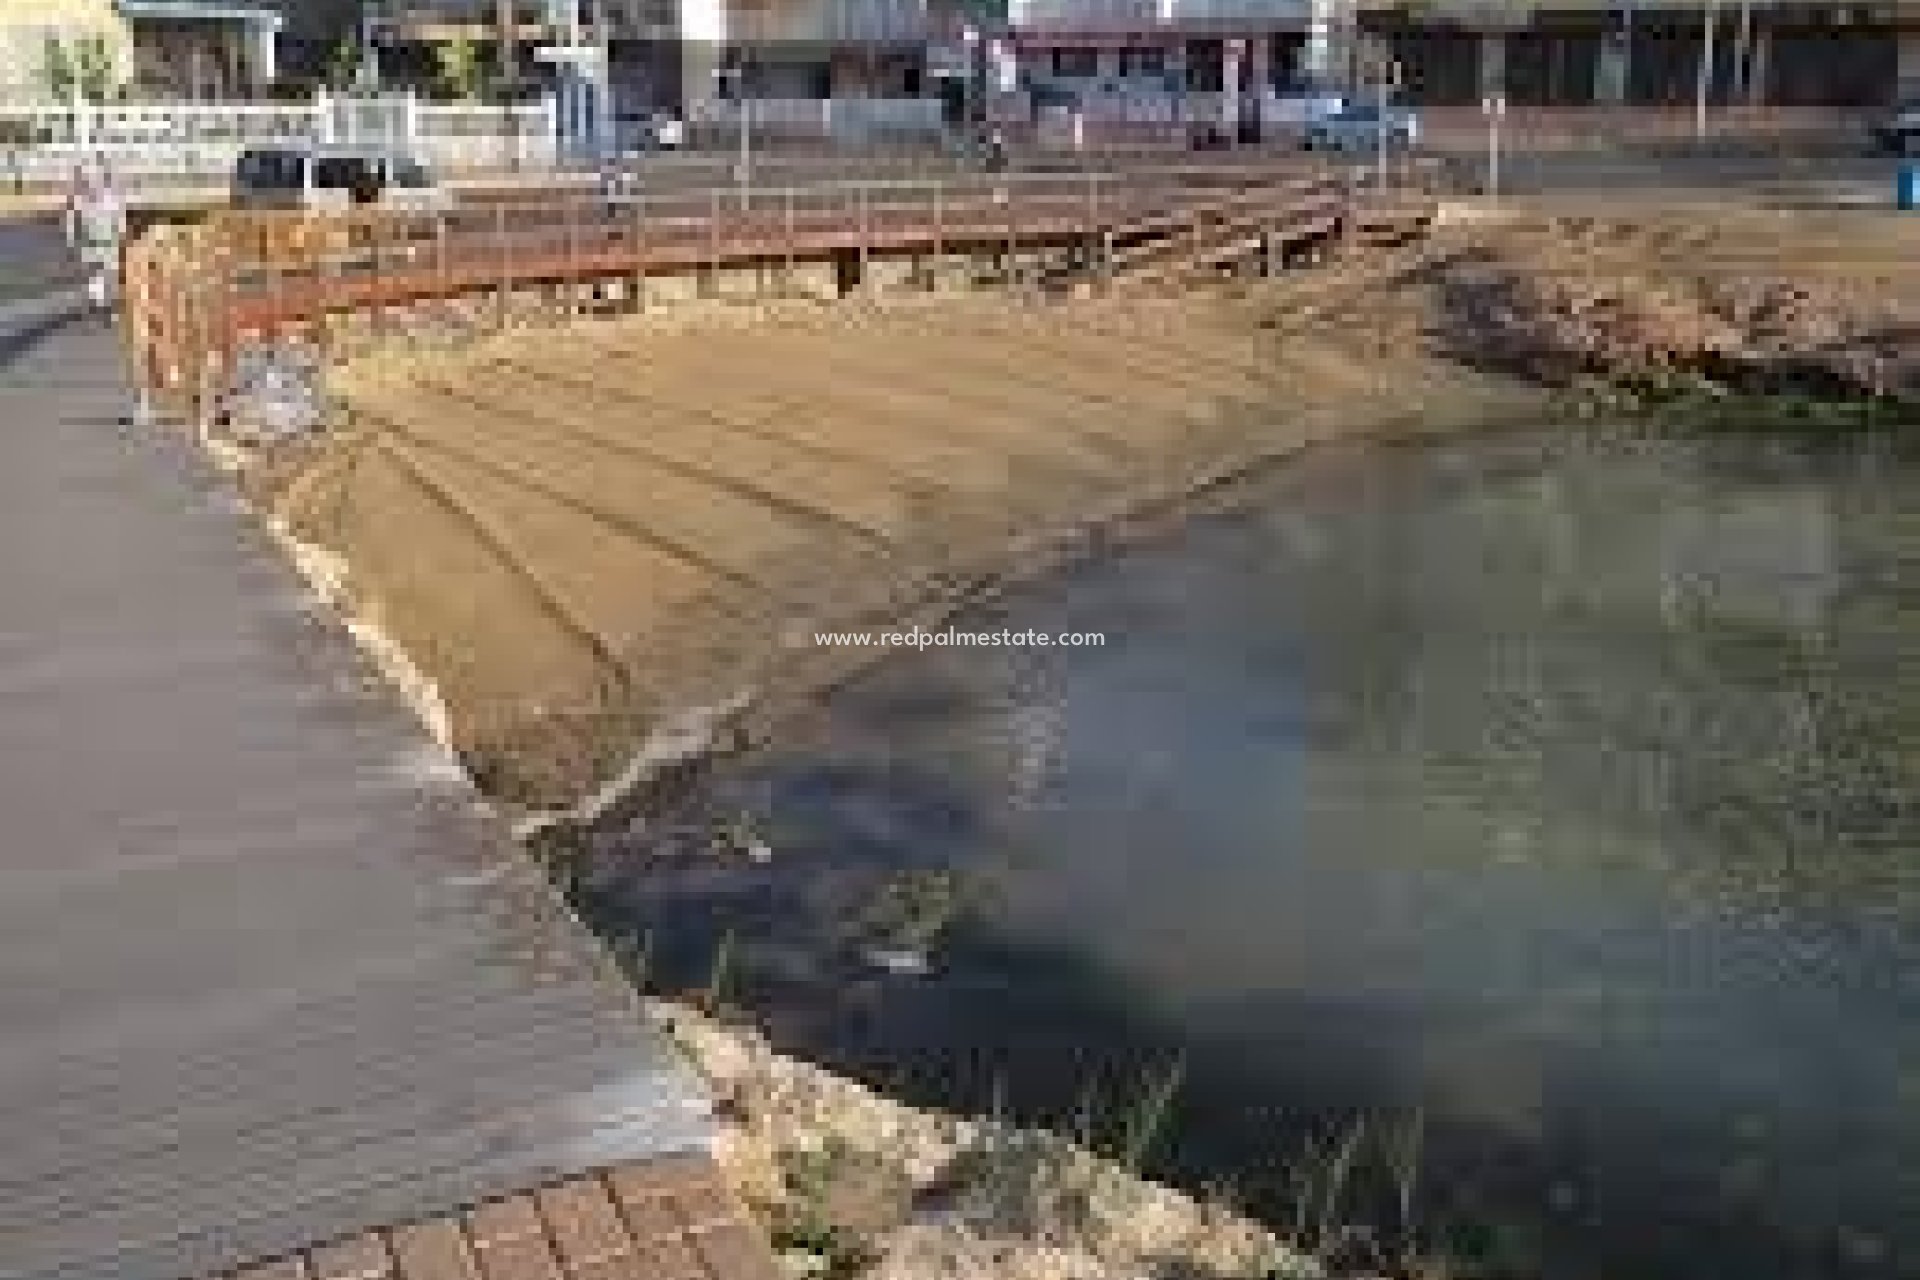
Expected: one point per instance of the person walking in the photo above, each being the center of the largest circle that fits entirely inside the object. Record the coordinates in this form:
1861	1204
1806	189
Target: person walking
96	223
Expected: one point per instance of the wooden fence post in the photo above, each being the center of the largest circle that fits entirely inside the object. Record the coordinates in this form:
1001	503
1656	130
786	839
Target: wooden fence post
570	288
637	302
939	234
865	233
713	243
791	232
503	262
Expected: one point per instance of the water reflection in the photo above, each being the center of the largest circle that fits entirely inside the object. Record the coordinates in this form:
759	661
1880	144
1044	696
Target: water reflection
1559	792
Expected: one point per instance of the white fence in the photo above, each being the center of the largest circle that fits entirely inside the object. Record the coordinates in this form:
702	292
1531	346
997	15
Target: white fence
826	119
1147	15
41	143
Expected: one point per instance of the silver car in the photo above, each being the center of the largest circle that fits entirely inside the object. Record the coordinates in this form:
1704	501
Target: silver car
1358	127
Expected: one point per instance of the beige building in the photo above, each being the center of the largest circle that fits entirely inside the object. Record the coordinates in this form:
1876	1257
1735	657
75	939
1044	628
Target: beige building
26	27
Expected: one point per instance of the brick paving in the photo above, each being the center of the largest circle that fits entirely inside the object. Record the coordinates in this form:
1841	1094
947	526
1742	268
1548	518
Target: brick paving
666	1219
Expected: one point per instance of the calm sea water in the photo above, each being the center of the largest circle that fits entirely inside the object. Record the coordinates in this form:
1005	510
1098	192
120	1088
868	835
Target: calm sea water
1552	798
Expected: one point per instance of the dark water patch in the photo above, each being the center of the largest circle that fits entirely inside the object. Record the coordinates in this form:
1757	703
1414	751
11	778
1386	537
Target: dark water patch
1551	791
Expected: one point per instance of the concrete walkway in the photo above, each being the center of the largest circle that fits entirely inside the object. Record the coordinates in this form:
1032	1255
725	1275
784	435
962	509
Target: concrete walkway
268	975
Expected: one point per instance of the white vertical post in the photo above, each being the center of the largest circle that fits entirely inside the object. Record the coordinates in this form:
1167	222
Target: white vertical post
1495	107
322	110
1760	68
266	51
746	144
82	120
1323	22
1742	87
1703	90
409	120
1380	104
1233	56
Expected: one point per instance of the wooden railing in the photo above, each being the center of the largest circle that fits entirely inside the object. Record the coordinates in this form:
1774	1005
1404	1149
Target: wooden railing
196	295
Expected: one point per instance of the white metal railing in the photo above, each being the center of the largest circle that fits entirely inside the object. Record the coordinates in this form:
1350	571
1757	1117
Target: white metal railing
39	142
825	117
1132	15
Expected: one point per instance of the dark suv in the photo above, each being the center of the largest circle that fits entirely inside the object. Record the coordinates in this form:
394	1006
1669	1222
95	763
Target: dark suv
1899	130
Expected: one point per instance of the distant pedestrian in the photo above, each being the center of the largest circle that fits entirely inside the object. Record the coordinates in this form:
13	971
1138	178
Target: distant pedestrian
996	152
616	186
96	224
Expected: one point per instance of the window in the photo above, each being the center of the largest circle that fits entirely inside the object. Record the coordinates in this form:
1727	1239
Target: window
341	173
271	170
1143	62
1076	64
410	175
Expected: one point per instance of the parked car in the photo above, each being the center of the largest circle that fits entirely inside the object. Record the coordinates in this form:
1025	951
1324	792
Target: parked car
642	132
1299	105
1361	128
311	177
1899	130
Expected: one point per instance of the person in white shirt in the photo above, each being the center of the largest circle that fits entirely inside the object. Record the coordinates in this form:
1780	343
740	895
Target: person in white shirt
96	219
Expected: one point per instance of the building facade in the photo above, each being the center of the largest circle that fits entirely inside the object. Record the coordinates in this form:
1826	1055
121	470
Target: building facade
676	54
1586	52
1455	52
202	50
30	32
